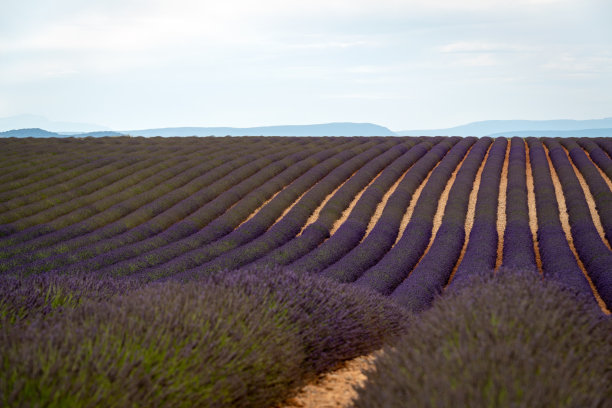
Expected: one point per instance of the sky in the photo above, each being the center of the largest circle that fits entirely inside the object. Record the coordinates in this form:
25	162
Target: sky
410	64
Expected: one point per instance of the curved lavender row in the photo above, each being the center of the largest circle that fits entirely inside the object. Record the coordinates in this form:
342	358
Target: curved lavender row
599	189
291	224
558	261
351	232
381	238
481	251
598	156
518	251
593	253
112	183
19	212
26	171
606	144
387	274
428	278
180	255
63	181
153	217
174	169
130	251
139	208
314	234
55	185
71	168
47	210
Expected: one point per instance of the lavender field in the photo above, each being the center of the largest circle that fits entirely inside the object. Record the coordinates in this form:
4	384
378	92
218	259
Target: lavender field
118	255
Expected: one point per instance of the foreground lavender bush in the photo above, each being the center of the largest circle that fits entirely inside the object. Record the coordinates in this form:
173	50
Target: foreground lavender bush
506	341
243	338
25	298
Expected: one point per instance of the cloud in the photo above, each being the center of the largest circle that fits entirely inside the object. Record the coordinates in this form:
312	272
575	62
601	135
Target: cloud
480	47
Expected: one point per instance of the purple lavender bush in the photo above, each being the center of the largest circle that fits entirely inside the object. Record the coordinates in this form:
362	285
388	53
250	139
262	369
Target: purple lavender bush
242	338
505	340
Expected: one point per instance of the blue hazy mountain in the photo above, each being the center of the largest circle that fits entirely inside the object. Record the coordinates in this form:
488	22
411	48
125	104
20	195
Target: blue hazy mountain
35	121
36	132
511	127
558	133
326	129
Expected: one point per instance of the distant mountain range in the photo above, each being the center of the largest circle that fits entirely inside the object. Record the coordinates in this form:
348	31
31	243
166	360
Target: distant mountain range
35	121
513	127
36	132
326	129
523	128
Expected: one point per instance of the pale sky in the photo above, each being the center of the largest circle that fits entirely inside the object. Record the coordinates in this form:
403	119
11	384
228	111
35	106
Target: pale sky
411	64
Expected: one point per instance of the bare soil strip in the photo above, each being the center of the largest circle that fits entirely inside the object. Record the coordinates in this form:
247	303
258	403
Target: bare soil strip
564	218
345	214
297	200
590	202
336	388
381	206
533	217
437	220
413	202
471	210
315	215
254	213
501	209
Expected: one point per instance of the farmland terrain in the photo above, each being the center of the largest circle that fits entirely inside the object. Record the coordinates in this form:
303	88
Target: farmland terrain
392	214
342	236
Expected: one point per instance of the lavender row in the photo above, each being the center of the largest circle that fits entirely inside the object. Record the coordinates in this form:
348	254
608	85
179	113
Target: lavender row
606	144
158	214
393	268
518	251
143	162
558	260
26	171
140	207
170	168
79	174
175	170
190	252
351	232
315	233
599	189
593	253
13	210
381	238
131	250
125	186
66	179
43	175
598	156
481	250
291	224
431	274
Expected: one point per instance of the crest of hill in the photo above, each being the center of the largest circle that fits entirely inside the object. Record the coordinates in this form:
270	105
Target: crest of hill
326	129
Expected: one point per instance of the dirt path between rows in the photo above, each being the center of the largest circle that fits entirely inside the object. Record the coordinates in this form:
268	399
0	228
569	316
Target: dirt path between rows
590	201
471	211
501	209
336	388
347	211
442	201
531	205
564	218
413	201
315	215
